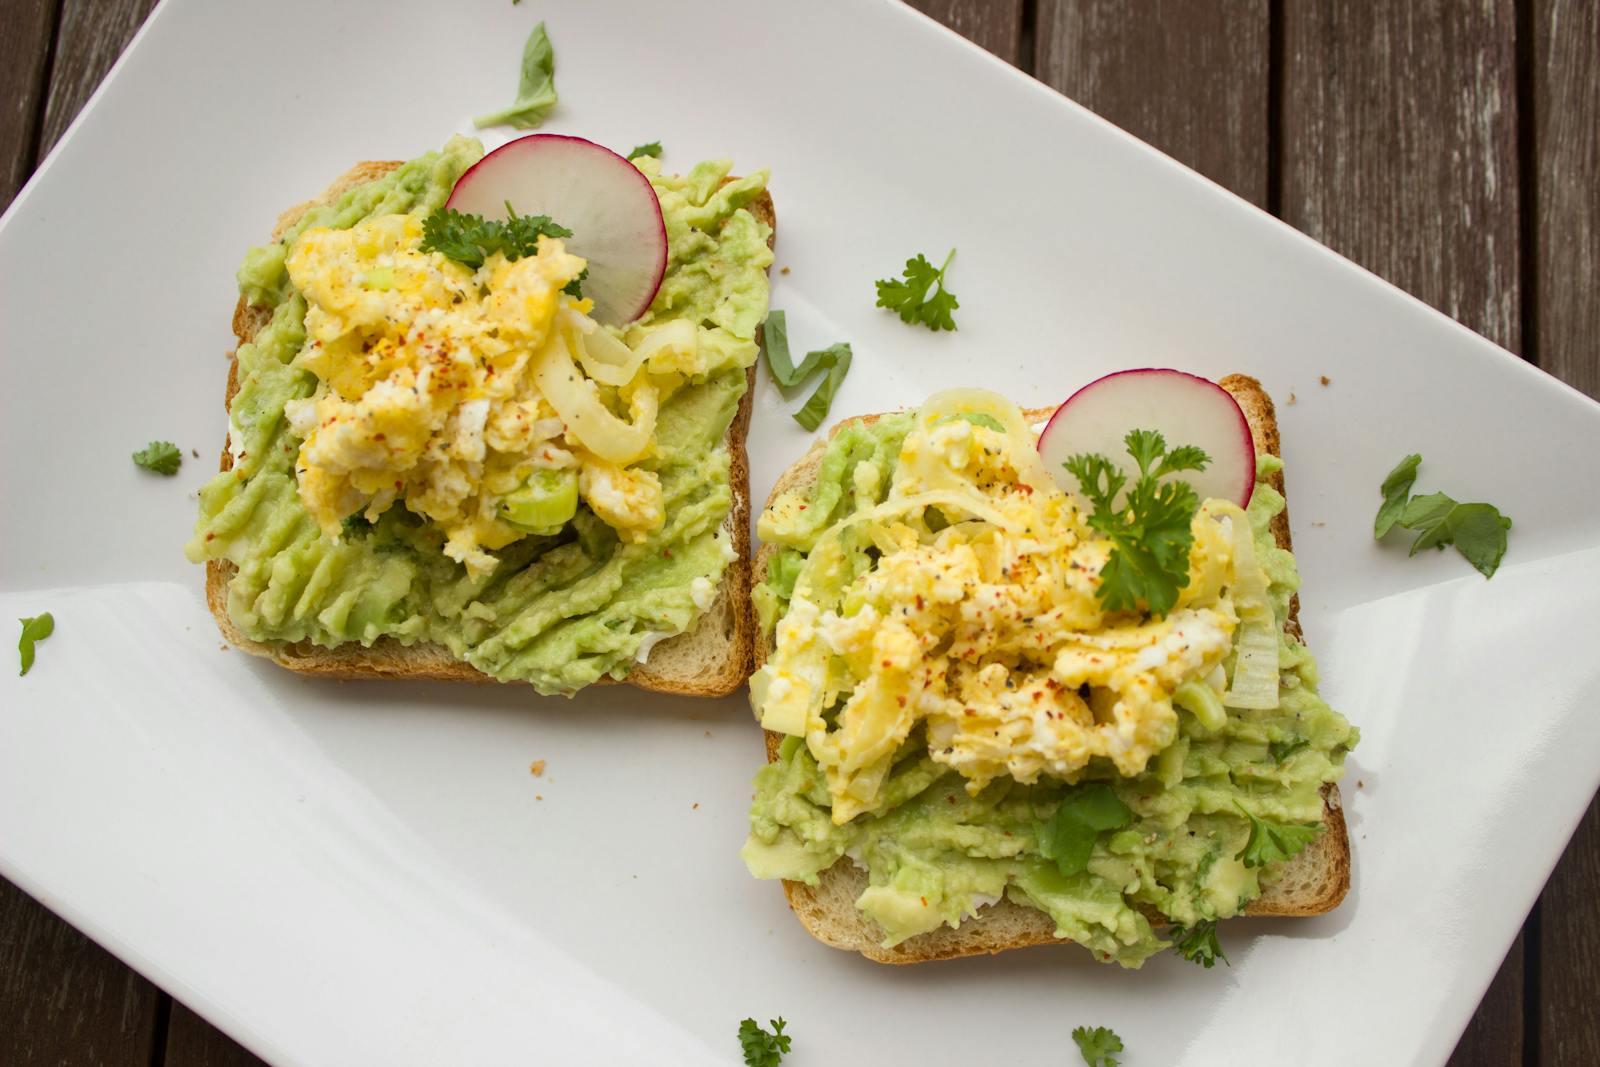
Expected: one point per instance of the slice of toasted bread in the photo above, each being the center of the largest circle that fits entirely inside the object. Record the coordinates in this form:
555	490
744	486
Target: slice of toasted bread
1313	882
713	659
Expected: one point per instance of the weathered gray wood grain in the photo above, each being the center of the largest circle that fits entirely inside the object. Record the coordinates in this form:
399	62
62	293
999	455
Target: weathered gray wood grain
193	1042
26	27
64	999
1399	150
992	24
1188	76
1566	108
93	34
1569	957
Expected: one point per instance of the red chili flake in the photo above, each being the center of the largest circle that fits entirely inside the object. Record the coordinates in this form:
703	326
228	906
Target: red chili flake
887	664
667	552
924	901
901	701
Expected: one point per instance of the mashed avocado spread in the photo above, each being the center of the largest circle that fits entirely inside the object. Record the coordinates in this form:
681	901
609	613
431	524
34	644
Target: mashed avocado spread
937	847
561	607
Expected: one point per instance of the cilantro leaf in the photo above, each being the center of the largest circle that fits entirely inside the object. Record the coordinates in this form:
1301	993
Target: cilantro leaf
470	239
1098	1046
1271	841
1069	835
834	361
1282	750
763	1049
1149	531
651	149
921	296
1199	944
162	457
35	629
1396	487
536	91
1478	530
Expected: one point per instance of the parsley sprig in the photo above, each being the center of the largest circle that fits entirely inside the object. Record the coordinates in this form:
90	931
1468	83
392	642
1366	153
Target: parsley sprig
162	457
919	296
763	1049
1199	944
33	630
1478	530
1271	841
471	239
1098	1046
1149	531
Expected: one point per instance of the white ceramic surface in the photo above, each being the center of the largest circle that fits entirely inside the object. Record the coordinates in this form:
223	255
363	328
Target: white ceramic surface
365	874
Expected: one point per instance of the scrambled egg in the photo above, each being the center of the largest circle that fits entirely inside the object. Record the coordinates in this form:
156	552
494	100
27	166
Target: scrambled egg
447	388
982	624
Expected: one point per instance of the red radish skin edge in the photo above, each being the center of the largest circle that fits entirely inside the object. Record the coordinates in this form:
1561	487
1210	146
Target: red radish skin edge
655	202
1246	439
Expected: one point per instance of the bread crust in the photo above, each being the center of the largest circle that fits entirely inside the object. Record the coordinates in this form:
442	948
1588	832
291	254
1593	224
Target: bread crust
1312	883
712	659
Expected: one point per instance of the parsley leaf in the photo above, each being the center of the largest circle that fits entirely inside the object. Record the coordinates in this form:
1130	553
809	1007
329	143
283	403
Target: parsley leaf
1149	532
35	629
1272	841
1396	487
651	149
1199	944
470	239
536	92
1098	1046
834	361
1069	835
762	1049
1478	530
162	457
921	297
574	288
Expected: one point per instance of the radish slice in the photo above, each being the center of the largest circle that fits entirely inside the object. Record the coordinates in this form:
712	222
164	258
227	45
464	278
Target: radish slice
1186	409
608	205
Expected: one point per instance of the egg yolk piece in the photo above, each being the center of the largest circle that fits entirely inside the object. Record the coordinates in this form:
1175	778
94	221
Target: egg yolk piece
429	390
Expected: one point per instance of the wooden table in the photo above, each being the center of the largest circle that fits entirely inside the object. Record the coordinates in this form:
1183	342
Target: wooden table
1450	147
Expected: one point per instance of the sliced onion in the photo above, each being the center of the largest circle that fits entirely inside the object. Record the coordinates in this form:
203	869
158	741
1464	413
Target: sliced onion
677	335
604	358
1255	667
950	403
586	418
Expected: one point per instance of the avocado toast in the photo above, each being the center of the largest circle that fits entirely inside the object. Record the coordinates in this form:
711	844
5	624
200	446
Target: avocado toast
575	628
790	836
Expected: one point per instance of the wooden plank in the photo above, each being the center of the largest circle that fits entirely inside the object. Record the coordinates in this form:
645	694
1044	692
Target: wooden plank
64	999
93	34
1399	150
995	25
1400	147
1564	56
1189	77
193	1042
24	61
1569	959
1566	143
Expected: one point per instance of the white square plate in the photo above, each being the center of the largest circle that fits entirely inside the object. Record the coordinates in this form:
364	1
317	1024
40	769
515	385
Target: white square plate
366	874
